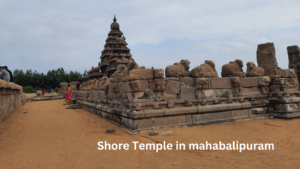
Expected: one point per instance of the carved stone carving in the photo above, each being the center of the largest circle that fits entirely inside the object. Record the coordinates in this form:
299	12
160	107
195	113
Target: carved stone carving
264	81
233	68
132	64
252	70
206	69
135	85
264	90
158	73
201	83
159	85
178	69
236	86
123	70
104	83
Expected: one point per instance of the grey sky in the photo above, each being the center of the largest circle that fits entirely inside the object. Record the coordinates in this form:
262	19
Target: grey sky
43	35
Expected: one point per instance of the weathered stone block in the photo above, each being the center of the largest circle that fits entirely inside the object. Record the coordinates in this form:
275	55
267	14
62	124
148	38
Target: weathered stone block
218	107
214	93
146	74
253	104
188	81
158	73
293	49
136	95
188	119
249	81
173	87
136	114
258	111
115	78
287	108
145	124
169	121
275	76
181	110
134	74
277	88
266	58
125	87
220	83
114	87
139	85
155	113
250	91
171	96
240	114
286	73
187	92
264	90
202	83
212	118
264	81
157	85
159	95
285	81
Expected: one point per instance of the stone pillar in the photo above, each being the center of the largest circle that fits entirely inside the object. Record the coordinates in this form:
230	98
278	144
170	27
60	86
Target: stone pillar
294	59
266	58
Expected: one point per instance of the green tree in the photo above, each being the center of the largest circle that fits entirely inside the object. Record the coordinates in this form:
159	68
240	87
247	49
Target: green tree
52	78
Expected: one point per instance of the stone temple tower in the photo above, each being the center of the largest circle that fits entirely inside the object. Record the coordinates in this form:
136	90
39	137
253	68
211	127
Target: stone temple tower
115	53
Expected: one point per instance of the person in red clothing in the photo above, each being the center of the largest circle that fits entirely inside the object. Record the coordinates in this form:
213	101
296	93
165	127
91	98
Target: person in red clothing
56	89
43	91
36	88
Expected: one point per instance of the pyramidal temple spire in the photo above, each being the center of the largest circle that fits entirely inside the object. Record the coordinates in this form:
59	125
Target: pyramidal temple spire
114	18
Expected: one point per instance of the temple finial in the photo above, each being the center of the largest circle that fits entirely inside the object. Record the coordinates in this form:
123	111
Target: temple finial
115	18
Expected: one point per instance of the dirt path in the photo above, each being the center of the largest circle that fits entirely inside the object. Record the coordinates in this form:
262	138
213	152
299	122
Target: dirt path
50	136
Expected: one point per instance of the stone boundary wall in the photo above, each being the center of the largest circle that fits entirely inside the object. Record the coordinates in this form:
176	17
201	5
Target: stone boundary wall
11	98
142	99
140	105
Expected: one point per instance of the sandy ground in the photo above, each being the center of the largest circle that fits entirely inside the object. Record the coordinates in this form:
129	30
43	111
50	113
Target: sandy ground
50	136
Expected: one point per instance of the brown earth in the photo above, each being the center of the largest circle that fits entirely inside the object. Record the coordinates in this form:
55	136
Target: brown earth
50	136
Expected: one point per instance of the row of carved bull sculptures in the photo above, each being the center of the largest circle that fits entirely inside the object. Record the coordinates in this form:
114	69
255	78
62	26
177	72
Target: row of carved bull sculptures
207	69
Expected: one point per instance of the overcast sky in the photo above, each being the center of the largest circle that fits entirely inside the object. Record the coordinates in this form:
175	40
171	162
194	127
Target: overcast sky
43	35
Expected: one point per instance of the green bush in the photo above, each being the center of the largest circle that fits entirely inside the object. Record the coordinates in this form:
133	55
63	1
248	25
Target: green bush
28	89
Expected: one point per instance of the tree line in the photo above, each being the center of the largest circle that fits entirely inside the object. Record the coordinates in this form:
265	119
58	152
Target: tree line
41	80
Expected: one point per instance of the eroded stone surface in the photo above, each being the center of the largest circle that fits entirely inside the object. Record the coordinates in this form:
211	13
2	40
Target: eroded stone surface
252	70
233	68
266	58
205	70
178	69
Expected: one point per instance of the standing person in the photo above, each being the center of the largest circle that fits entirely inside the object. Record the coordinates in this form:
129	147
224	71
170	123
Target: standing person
78	85
4	74
36	88
43	91
68	96
56	89
11	76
